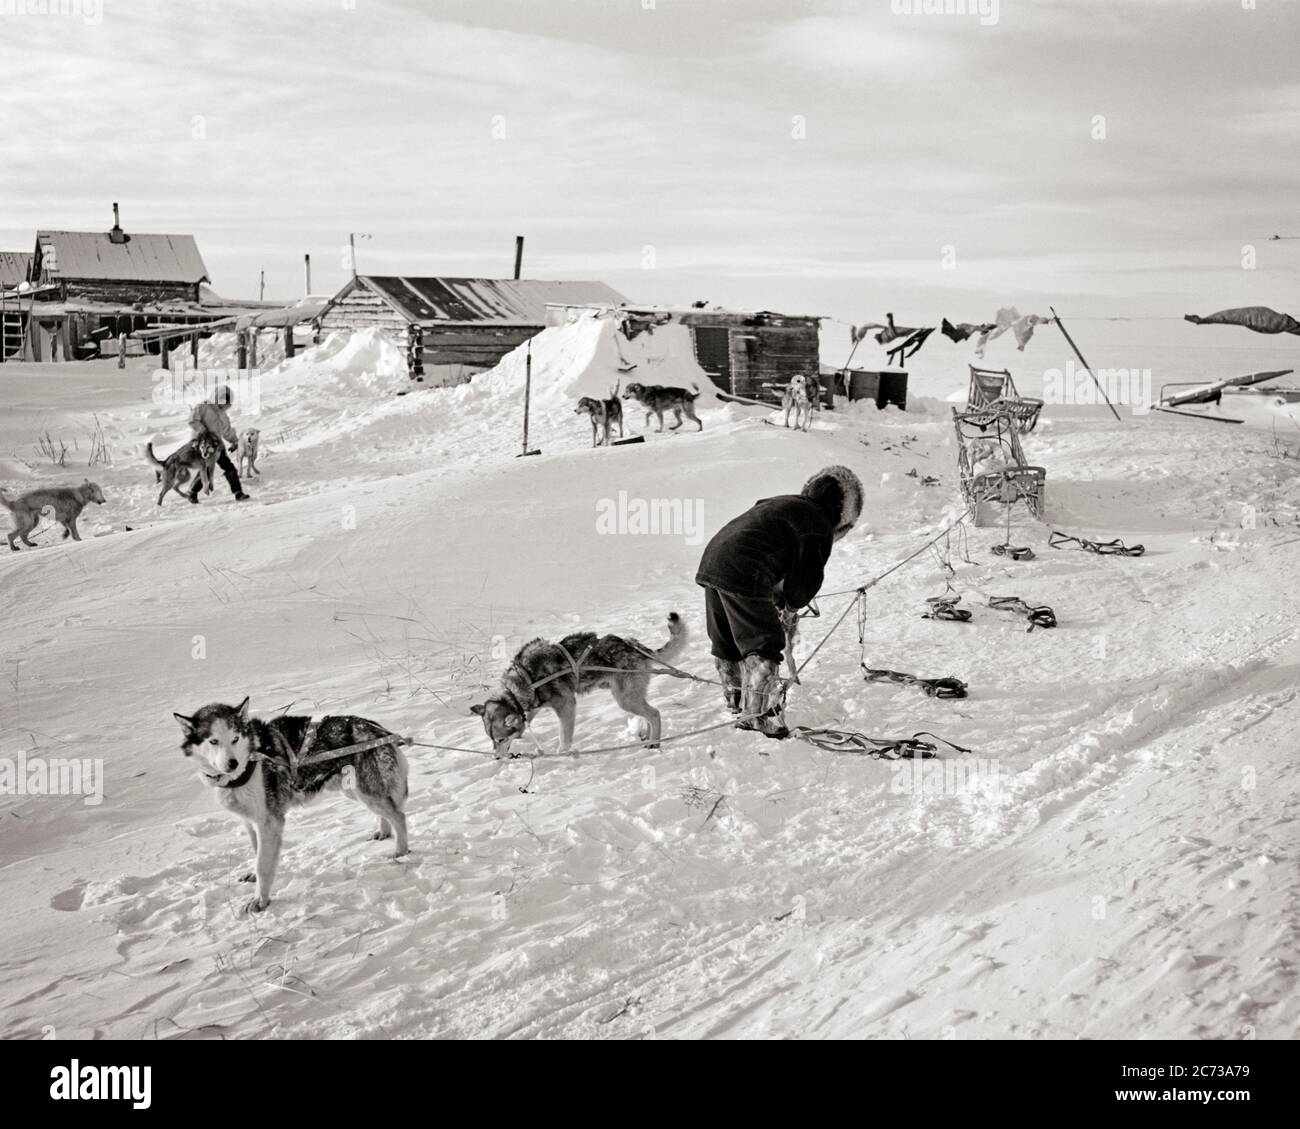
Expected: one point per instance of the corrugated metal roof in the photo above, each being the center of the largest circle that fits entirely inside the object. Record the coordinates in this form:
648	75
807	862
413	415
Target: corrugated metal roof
143	258
490	301
13	267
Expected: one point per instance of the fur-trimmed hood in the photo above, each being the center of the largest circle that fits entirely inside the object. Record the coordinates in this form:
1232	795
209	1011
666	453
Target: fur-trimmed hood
838	491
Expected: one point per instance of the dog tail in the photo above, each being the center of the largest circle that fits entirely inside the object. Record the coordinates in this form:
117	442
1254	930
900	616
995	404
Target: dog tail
5	501
148	450
676	638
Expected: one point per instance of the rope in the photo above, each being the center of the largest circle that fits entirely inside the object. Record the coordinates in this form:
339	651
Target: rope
731	721
910	557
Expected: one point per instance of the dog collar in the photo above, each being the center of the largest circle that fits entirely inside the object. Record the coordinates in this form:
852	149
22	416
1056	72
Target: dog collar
240	780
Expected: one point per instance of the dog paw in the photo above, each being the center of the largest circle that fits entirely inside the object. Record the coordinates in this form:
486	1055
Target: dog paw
249	877
401	854
381	835
256	905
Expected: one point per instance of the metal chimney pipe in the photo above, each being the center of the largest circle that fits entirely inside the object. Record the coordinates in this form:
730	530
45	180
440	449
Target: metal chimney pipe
519	254
307	261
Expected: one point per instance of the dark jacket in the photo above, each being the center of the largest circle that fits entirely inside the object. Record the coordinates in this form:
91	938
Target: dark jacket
784	540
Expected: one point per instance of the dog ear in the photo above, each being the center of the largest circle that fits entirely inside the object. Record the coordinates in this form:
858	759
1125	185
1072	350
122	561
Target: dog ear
242	710
187	723
477	709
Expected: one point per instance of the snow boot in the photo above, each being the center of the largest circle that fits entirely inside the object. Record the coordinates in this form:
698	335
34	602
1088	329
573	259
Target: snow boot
729	672
763	700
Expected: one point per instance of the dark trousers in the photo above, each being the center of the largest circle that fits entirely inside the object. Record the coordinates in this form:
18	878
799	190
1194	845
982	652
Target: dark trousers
227	468
739	626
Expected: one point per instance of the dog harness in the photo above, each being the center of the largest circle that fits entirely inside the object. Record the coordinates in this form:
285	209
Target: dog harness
1116	547
945	607
950	687
882	748
1039	616
243	778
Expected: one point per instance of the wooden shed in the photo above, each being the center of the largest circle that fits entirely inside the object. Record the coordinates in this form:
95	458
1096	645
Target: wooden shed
87	288
741	351
462	325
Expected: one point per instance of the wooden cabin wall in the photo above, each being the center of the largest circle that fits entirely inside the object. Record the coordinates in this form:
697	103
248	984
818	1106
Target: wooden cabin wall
363	309
127	293
764	349
479	346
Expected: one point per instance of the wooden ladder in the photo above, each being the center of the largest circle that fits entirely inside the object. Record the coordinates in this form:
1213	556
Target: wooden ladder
12	327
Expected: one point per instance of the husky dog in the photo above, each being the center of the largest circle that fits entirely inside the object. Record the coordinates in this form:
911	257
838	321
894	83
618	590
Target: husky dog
657	399
800	397
622	666
67	502
604	414
249	443
199	454
248	762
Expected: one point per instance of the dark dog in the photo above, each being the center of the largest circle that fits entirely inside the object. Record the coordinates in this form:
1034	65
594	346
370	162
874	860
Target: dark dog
622	666
604	414
656	399
249	761
174	471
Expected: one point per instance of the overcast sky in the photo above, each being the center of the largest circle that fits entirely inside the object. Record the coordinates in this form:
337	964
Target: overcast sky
821	157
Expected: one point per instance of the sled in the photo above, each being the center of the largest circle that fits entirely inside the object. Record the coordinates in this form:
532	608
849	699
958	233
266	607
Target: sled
1014	480
994	389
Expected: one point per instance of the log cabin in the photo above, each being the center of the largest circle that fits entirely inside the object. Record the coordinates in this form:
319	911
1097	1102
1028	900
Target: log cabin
455	327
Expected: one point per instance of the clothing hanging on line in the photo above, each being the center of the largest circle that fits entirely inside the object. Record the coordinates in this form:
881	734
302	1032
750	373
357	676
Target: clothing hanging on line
1258	319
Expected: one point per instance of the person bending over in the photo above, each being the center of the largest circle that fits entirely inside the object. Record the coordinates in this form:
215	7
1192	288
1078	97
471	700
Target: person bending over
770	558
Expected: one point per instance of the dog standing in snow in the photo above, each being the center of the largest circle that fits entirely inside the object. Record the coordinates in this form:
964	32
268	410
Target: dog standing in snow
249	444
251	766
554	674
66	502
657	399
800	397
604	414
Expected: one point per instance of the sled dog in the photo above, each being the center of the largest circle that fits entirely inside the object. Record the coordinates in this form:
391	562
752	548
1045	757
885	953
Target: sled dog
800	397
657	399
199	454
604	414
249	444
67	502
248	762
622	666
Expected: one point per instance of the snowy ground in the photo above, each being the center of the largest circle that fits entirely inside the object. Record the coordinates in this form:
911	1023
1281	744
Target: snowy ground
1119	860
